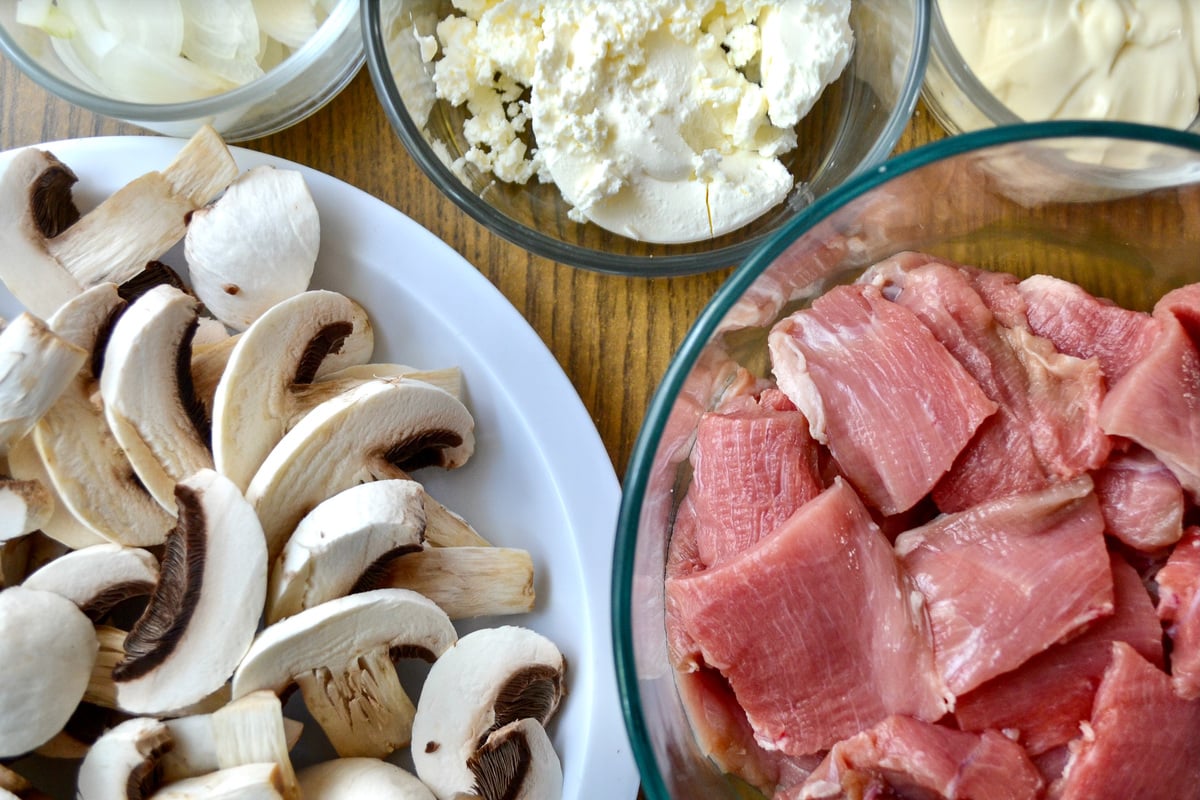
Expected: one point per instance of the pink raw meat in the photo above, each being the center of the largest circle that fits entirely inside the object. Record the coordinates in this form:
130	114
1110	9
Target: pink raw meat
1007	579
1046	427
816	628
1087	327
1141	500
1043	701
1143	741
890	401
1179	607
683	559
752	468
1157	402
904	757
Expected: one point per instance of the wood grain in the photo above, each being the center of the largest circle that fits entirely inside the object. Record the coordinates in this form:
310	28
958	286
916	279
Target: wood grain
613	336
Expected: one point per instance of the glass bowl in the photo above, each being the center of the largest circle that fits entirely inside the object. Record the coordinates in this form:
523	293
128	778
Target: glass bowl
853	127
956	97
979	198
297	87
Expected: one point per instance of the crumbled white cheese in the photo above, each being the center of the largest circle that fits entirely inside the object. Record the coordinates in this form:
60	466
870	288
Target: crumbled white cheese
663	120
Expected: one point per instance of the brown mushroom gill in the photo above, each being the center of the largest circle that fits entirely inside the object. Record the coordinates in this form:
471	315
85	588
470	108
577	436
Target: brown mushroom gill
426	449
157	632
146	778
99	605
193	406
328	340
378	574
532	692
500	767
155	273
50	199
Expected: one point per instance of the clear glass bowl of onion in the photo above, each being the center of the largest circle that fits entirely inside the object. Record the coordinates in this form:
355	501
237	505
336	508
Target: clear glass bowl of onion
246	68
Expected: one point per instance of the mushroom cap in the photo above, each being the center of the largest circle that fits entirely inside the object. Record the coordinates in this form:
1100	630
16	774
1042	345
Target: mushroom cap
333	634
147	389
518	761
48	647
376	430
356	778
339	540
244	782
282	349
25	463
203	614
255	246
122	763
97	578
491	677
36	365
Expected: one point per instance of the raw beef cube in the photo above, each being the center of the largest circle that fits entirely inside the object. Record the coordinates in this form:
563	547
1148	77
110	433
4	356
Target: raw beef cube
1046	427
1179	607
904	757
1007	579
1141	500
891	402
1143	740
1044	700
1157	402
751	469
816	628
1087	327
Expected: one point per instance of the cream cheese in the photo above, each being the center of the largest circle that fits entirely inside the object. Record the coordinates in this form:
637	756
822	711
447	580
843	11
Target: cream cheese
1129	60
663	120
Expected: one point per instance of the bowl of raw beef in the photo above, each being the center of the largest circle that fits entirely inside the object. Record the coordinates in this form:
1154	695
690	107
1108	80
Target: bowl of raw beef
913	512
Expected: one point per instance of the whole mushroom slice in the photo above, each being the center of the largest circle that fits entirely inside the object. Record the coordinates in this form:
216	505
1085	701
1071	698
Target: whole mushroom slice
340	540
97	578
25	463
283	349
205	609
149	400
255	246
517	762
340	654
378	430
491	678
246	782
89	469
356	778
25	506
44	266
123	763
36	365
47	647
466	582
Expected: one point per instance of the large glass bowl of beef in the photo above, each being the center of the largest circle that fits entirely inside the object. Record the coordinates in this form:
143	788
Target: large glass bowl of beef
911	511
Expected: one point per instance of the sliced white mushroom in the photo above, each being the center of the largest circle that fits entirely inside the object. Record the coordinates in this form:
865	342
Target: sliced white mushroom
90	471
208	365
195	737
102	689
491	678
46	264
250	730
97	578
247	782
47	647
202	616
340	654
339	541
357	778
466	582
282	350
255	246
517	762
377	430
308	396
36	365
25	506
149	400
25	463
122	764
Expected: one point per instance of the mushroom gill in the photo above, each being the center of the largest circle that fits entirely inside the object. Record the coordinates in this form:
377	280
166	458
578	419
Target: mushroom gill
328	340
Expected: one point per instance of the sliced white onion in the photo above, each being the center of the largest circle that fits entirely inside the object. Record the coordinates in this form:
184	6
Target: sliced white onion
292	22
153	25
139	75
219	31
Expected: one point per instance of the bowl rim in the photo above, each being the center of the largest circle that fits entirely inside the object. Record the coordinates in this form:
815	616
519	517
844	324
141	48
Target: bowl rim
340	17
597	260
637	472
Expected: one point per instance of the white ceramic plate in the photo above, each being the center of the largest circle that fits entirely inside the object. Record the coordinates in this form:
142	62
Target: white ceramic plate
540	478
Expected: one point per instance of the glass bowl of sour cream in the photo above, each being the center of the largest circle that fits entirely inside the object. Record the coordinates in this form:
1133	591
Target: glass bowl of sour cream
645	138
170	66
1000	62
835	570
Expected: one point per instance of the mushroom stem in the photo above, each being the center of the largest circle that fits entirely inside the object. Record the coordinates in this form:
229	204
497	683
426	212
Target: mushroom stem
354	725
102	689
465	581
444	528
25	506
251	730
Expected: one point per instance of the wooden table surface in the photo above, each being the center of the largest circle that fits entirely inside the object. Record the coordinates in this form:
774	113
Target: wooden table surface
613	336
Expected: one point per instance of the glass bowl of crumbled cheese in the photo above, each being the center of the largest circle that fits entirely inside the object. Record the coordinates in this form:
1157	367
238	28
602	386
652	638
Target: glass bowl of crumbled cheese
645	137
912	512
1000	62
245	68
